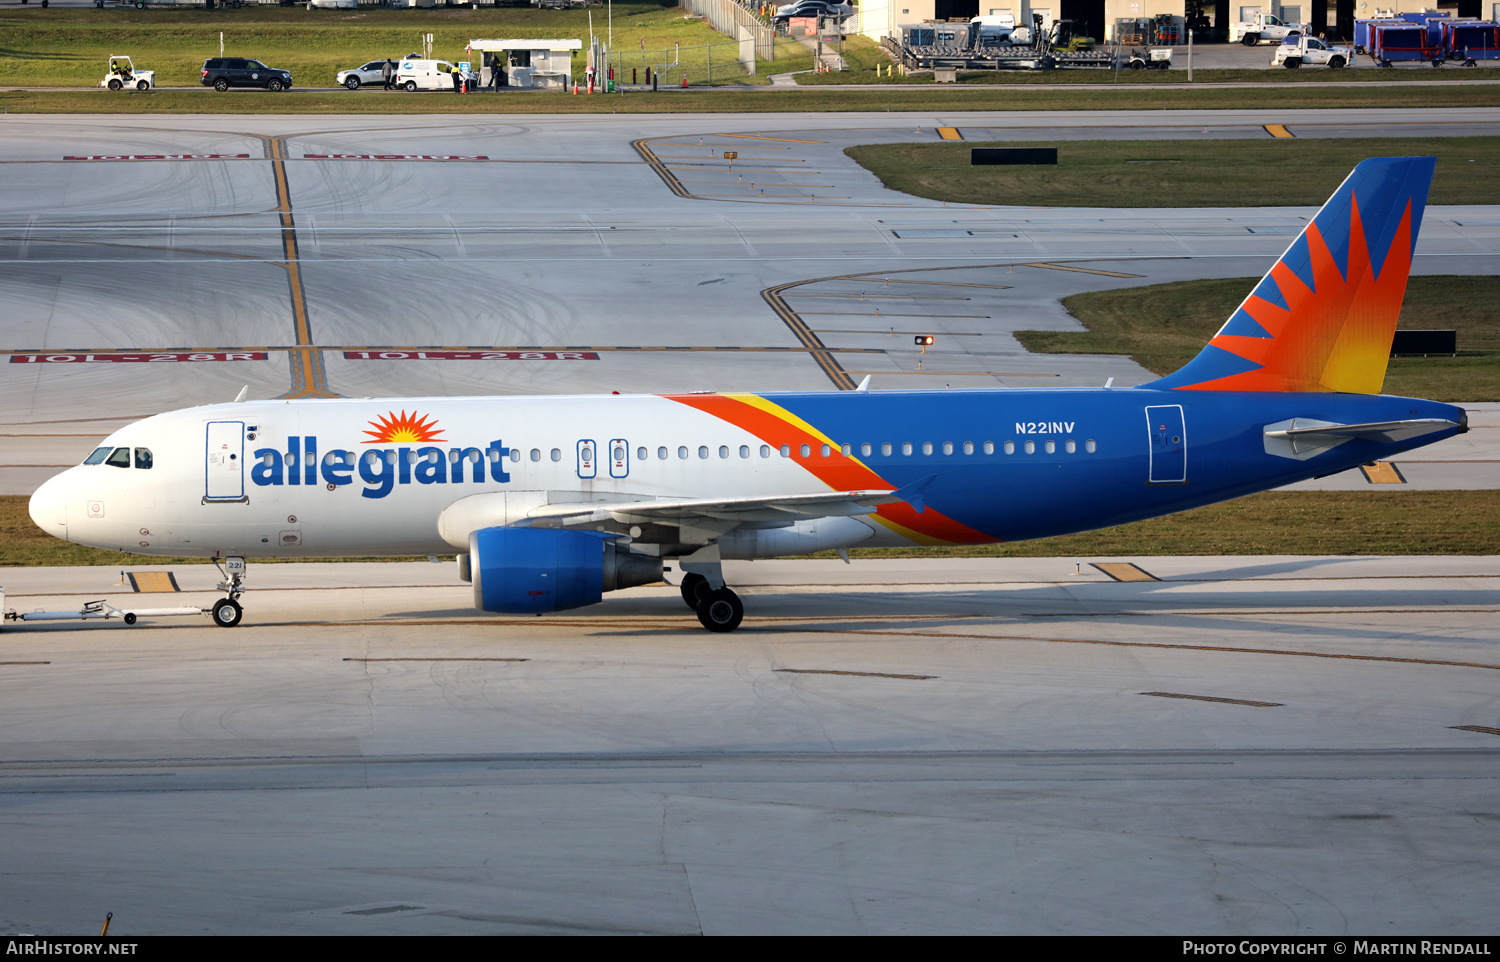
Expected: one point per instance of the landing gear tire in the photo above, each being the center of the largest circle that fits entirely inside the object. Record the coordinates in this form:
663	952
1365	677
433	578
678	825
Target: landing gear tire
227	612
694	587
721	610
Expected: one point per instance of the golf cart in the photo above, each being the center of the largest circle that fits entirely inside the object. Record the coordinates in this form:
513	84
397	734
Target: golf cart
122	74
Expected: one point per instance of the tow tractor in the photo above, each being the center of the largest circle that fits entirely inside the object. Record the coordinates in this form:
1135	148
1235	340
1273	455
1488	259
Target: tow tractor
122	74
1155	58
225	612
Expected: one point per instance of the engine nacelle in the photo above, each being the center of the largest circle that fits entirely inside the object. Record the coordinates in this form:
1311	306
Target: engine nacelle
523	571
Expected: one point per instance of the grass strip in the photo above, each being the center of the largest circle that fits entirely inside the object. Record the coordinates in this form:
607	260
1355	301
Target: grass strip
1163	326
1376	522
1178	173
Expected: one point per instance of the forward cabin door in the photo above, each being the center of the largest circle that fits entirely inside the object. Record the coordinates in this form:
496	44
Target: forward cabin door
224	454
1168	439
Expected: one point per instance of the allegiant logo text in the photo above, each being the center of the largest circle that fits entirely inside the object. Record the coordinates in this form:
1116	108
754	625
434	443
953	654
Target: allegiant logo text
381	469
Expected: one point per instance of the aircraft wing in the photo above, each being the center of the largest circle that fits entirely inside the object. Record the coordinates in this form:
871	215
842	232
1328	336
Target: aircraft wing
789	507
714	512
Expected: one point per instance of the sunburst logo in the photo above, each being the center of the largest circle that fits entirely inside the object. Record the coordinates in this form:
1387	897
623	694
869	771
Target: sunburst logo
405	428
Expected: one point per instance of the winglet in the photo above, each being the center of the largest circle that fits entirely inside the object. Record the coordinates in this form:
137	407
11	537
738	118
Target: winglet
864	385
914	494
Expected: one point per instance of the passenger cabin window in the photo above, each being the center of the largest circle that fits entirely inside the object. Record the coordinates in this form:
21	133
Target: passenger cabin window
99	455
120	458
661	454
143	458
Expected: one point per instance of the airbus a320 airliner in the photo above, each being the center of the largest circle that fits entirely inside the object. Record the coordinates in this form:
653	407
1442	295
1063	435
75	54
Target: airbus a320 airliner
552	501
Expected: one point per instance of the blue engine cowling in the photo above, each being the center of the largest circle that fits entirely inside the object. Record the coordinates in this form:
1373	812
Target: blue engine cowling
522	571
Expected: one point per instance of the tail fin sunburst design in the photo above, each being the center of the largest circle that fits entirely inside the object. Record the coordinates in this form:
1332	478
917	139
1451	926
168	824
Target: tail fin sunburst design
1323	318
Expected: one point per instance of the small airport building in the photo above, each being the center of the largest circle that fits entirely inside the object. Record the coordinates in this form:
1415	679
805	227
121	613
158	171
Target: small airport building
1162	22
524	63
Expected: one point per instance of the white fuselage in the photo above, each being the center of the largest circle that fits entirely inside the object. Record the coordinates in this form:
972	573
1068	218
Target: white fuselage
340	478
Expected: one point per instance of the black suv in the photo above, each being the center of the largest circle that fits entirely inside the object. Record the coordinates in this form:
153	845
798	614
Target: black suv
221	73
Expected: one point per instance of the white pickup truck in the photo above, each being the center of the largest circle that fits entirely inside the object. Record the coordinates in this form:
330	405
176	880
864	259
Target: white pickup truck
1263	27
1293	52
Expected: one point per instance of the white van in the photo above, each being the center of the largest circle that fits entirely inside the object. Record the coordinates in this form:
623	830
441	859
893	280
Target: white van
424	75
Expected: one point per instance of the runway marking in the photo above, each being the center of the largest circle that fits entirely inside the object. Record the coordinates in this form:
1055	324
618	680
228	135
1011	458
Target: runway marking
1277	130
1475	728
309	378
823	354
1141	644
786	140
1382	472
1227	701
1125	571
436	659
949	133
862	295
471	355
144	357
814	344
153	581
17	663
1080	270
786	626
98	157
859	674
383	157
725	183
667	177
955	373
995	287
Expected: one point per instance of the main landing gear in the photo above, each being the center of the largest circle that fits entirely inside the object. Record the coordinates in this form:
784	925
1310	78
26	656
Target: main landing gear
228	611
719	609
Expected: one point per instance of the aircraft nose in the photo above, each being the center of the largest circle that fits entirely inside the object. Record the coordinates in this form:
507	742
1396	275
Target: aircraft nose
49	506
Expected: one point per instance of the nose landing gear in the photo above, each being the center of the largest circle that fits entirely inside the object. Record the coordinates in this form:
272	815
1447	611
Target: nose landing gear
227	611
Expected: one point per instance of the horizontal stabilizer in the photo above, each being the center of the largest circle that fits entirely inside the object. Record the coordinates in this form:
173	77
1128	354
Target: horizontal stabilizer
1302	438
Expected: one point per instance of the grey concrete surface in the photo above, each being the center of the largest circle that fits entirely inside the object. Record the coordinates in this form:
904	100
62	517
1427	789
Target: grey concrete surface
886	747
908	746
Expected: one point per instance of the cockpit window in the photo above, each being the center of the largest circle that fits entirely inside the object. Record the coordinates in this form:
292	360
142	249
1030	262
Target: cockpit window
99	455
119	459
143	458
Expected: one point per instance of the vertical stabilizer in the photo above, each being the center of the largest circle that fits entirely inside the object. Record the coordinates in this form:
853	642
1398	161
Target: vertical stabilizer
1323	318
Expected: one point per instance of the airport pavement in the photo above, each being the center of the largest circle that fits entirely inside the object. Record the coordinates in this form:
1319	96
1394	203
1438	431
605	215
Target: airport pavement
1240	746
1248	746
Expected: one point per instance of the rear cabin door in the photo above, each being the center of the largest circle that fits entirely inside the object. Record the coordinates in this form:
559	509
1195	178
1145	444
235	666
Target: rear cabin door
1168	439
224	454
